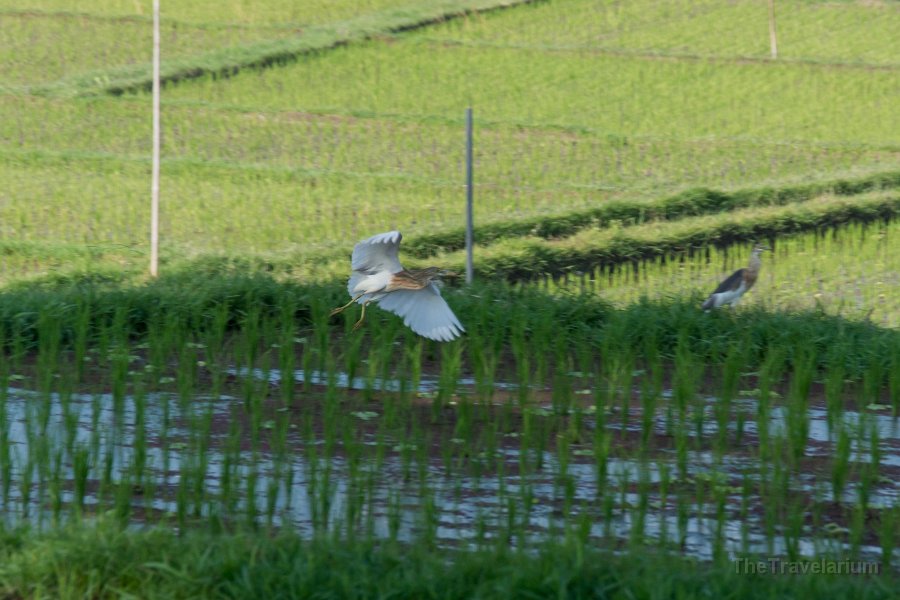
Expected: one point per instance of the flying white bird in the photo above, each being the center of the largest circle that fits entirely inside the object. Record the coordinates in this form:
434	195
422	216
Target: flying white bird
731	290
412	294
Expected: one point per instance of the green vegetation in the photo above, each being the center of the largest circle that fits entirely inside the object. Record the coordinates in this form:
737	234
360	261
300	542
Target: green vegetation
293	162
524	258
618	95
270	14
121	382
218	50
37	49
805	272
687	204
828	32
594	433
200	296
109	563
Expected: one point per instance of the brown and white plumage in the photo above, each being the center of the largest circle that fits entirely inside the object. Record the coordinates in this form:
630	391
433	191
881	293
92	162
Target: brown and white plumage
737	284
412	294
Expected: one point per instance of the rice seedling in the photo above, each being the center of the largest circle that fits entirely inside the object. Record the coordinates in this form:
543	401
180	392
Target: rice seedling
806	271
268	14
579	414
683	29
62	43
332	205
246	148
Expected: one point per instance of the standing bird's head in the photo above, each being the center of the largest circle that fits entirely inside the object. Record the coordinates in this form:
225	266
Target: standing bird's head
755	261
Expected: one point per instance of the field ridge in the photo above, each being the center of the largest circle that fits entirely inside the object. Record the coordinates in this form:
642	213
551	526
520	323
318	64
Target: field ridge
228	61
664	55
523	259
692	202
139	18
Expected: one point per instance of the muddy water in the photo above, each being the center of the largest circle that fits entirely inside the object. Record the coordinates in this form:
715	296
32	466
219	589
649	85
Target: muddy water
310	496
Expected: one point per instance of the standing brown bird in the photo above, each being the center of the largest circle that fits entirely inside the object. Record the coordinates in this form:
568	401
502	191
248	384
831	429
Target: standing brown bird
412	294
731	290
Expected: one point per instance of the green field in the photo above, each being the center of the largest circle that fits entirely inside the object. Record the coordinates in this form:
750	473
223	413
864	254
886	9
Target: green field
593	434
230	13
828	32
806	272
369	136
44	41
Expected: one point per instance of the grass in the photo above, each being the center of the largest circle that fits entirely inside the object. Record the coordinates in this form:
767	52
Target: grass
617	214
220	50
832	32
107	562
128	384
233	13
363	137
806	272
41	48
597	436
87	159
529	257
196	293
593	244
616	95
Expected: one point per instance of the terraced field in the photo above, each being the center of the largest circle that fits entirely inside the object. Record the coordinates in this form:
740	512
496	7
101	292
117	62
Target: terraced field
628	155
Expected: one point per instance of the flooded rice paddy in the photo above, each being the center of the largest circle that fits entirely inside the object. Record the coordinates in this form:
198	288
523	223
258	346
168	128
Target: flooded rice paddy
696	477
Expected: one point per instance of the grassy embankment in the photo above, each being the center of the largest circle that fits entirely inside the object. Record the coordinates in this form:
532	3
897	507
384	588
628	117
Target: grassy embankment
108	563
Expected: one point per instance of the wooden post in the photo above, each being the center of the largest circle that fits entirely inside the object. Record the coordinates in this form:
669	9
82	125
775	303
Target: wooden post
773	37
154	182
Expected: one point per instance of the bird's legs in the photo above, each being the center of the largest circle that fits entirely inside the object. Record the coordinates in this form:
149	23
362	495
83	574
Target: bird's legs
338	310
362	316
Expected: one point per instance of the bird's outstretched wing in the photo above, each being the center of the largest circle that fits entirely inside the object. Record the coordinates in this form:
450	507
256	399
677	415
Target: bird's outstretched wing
732	283
374	261
425	312
378	253
729	291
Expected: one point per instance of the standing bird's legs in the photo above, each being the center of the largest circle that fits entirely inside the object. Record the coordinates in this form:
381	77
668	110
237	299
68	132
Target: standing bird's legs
338	310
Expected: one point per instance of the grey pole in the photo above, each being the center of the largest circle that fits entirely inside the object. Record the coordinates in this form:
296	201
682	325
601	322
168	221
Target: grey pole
470	237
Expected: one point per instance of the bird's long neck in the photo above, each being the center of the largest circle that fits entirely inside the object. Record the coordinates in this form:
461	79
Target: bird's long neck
755	263
752	271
